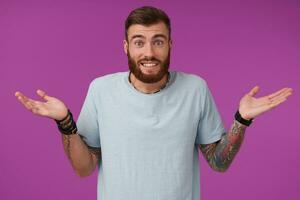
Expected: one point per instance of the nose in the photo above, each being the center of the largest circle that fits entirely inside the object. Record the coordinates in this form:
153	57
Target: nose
148	51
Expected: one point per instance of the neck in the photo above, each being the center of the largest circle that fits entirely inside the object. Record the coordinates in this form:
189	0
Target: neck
148	88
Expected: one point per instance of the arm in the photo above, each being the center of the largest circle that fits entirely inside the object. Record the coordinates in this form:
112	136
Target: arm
84	159
220	154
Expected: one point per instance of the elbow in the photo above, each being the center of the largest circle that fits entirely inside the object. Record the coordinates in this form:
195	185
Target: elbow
82	174
85	170
220	168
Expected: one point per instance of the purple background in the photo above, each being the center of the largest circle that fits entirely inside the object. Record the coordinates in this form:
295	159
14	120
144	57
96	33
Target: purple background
60	46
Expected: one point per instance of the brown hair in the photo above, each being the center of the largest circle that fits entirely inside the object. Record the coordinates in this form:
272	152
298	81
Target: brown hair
147	15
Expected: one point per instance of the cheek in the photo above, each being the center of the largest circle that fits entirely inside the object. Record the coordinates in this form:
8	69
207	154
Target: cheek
162	53
134	58
135	54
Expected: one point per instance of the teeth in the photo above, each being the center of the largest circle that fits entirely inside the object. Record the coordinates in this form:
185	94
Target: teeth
149	64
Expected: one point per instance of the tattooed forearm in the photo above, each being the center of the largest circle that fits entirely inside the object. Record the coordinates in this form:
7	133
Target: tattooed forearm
220	154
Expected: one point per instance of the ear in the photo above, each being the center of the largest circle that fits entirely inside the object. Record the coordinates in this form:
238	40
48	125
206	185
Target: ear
125	44
170	43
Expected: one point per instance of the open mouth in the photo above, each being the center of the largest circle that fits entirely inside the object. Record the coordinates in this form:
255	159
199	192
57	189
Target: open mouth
147	64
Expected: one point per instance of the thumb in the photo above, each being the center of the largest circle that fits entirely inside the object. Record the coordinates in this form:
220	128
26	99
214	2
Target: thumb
43	94
254	91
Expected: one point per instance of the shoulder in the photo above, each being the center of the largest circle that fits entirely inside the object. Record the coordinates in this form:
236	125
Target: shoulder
191	80
107	80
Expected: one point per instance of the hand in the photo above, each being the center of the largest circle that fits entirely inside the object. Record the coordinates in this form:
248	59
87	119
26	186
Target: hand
251	107
52	107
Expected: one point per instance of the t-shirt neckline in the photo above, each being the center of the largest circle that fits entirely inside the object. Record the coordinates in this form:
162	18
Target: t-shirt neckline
169	83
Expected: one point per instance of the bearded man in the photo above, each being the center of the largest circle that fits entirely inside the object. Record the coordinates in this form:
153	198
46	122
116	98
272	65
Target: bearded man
143	128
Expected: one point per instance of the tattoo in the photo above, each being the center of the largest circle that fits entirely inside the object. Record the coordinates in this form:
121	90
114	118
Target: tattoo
221	153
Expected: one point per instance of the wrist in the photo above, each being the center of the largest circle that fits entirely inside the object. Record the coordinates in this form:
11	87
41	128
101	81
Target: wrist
239	124
245	121
244	116
67	125
63	116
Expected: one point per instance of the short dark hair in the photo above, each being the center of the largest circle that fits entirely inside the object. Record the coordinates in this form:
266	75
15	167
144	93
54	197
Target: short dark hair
147	15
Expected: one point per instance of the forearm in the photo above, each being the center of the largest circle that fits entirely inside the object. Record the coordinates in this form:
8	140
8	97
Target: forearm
82	159
221	154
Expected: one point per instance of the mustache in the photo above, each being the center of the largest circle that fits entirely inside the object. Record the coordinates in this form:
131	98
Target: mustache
149	59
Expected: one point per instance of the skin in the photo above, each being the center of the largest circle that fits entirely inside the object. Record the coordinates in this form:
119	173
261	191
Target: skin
219	155
83	158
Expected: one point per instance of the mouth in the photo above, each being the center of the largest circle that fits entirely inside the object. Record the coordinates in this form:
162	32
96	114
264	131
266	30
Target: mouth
149	64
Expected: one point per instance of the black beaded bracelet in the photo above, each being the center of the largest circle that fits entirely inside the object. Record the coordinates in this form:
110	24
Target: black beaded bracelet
67	125
240	119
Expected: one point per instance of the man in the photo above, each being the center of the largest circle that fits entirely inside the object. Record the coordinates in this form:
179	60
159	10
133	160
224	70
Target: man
143	128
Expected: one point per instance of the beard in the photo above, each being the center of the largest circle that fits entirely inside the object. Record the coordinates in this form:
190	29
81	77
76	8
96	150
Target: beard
134	68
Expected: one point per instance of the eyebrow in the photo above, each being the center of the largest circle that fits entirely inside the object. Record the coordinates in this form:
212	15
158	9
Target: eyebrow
160	35
136	36
155	36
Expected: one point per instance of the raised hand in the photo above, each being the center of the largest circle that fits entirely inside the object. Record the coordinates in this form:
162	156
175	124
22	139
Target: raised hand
251	107
51	107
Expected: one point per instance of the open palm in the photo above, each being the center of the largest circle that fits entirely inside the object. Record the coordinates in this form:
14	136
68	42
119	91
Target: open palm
251	107
51	107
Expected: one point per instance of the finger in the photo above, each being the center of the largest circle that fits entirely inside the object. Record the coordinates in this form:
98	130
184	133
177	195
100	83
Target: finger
283	94
277	93
42	94
254	91
23	99
19	94
275	104
36	107
282	97
25	102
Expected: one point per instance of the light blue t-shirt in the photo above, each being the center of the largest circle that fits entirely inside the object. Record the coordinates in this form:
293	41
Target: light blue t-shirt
149	141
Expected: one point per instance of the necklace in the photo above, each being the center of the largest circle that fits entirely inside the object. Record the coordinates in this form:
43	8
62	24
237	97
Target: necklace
168	78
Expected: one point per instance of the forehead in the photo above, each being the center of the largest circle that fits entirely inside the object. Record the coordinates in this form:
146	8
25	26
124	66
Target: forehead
147	31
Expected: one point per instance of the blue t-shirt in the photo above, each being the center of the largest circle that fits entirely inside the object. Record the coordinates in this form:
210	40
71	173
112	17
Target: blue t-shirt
149	141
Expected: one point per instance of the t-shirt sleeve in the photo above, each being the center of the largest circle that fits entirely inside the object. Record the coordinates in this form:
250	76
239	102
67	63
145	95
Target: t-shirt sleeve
87	123
210	127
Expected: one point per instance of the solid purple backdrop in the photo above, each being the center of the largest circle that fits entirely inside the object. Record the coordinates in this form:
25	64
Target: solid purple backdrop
60	46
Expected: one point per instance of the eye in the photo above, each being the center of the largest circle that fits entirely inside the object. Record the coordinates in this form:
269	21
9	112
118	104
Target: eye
158	42
138	43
